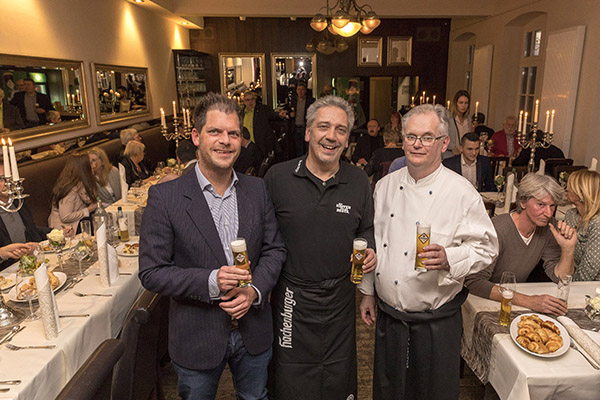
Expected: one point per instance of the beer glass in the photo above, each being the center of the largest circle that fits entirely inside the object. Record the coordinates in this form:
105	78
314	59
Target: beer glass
423	238
563	287
240	258
507	287
359	252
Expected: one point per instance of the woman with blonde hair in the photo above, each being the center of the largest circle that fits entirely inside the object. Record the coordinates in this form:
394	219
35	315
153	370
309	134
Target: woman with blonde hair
133	156
108	185
74	193
583	191
459	123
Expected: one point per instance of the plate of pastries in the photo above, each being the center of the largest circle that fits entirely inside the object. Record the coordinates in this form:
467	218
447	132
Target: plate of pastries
539	335
21	293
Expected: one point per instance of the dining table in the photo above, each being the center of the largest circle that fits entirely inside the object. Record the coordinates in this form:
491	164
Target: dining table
85	322
132	206
489	350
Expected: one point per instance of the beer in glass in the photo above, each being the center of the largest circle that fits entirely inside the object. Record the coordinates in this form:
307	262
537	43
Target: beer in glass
240	259
423	237
359	252
507	287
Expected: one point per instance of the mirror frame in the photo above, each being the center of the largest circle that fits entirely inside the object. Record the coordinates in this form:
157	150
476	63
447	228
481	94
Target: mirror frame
47	130
361	43
313	60
96	67
223	72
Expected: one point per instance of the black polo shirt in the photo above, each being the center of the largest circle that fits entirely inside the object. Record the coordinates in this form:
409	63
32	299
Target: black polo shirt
319	220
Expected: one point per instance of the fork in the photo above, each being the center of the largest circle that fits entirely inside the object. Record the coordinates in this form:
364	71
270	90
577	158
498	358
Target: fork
78	294
575	346
11	346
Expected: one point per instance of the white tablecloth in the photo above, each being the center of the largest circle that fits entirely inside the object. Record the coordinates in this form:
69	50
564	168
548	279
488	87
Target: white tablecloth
516	375
45	372
129	209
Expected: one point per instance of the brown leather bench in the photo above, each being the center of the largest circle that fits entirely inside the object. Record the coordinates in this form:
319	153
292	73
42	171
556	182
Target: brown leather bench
40	175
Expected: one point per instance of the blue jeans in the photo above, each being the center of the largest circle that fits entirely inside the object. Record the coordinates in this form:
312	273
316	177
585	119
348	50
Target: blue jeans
249	374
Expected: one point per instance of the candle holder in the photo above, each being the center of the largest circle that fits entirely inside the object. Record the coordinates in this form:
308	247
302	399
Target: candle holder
177	134
14	191
532	142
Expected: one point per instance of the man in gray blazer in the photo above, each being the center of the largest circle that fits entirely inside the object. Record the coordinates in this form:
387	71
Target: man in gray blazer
185	253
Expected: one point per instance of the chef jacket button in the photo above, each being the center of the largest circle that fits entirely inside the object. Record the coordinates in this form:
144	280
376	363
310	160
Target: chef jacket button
406	253
385	245
401	187
376	273
392	215
395	282
430	192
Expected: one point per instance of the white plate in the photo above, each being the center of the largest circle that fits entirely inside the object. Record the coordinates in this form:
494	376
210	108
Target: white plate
46	249
514	329
9	282
62	278
133	240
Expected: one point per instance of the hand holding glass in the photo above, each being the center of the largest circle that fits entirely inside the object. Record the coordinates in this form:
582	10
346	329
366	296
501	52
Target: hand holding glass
359	252
240	259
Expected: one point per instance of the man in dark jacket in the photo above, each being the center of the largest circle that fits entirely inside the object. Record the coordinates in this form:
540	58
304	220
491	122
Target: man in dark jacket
31	104
477	169
257	118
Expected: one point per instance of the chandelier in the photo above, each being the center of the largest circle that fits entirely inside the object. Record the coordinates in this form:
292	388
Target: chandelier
346	18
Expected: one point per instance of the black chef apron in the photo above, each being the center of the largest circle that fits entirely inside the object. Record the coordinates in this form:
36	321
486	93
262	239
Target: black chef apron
314	350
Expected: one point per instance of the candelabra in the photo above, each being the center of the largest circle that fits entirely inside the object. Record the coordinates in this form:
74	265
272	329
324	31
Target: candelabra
177	134
14	192
532	142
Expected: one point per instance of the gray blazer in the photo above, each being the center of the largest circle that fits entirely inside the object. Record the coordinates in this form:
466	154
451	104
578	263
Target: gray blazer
115	184
180	246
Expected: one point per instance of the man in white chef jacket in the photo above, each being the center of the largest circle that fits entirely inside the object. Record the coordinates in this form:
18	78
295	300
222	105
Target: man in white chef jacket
417	347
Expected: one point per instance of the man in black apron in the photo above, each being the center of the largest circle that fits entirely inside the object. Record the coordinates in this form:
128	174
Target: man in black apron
321	205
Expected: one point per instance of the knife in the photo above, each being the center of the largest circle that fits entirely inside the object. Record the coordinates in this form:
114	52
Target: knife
73	315
15	382
4	390
9	337
8	334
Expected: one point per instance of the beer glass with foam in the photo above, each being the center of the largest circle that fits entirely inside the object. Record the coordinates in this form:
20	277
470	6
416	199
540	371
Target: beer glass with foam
359	252
423	239
507	287
240	259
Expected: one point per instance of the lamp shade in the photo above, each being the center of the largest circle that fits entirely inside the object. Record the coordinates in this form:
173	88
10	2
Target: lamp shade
371	20
318	22
350	29
365	29
331	30
340	19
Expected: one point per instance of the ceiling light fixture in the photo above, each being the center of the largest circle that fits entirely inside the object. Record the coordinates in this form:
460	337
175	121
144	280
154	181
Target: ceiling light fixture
346	18
138	1
185	23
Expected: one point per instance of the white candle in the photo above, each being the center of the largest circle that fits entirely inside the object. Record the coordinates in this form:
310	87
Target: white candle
448	106
68	99
421	100
412	101
434	99
547	118
552	122
13	161
73	99
423	95
427	100
174	110
162	118
476	108
188	117
520	121
525	123
5	159
537	111
78	98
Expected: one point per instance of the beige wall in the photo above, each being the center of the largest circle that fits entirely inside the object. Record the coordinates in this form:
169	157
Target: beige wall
100	31
558	14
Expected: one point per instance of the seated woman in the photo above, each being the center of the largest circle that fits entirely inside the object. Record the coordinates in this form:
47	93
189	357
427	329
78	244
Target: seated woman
583	190
74	193
395	124
133	156
108	184
388	153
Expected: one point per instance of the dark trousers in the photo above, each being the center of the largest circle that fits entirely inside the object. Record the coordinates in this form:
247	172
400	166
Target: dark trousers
299	142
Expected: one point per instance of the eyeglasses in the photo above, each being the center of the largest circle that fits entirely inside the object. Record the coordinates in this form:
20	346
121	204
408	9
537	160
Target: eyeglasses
426	140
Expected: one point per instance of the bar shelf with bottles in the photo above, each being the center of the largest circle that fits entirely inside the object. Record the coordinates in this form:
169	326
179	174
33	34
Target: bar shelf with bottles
192	76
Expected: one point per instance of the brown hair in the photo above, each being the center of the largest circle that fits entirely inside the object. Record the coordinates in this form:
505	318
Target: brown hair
77	171
458	95
102	174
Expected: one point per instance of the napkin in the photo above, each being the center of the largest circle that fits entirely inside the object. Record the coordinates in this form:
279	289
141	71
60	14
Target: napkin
113	264
514	194
103	255
583	340
542	169
594	164
509	193
47	303
124	186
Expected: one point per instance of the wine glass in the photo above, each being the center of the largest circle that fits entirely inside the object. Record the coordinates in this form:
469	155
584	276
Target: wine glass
58	247
499	182
24	290
80	253
86	232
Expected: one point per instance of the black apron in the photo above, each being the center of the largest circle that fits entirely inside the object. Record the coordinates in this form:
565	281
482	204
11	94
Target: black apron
314	350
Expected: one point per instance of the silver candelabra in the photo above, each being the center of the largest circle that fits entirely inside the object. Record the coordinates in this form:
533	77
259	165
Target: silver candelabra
14	192
177	134
532	142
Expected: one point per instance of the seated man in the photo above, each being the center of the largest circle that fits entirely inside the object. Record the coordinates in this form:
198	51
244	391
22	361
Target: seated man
505	140
477	169
367	144
389	153
526	237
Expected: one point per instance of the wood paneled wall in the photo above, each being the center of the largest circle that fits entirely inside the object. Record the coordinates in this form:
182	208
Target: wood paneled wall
267	35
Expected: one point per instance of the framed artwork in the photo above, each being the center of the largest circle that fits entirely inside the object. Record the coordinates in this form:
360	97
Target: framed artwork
369	51
399	51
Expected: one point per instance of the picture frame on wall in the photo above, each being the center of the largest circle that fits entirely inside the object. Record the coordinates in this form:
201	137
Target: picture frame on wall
399	51
370	51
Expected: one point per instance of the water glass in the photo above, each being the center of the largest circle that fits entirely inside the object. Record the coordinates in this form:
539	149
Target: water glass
563	287
86	231
24	291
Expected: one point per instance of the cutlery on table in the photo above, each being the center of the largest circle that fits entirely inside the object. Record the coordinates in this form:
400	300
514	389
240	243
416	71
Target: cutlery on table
589	360
78	294
14	382
73	315
4	390
121	273
12	334
11	346
73	282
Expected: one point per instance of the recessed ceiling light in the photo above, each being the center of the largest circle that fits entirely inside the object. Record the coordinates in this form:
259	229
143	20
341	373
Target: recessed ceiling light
185	23
138	1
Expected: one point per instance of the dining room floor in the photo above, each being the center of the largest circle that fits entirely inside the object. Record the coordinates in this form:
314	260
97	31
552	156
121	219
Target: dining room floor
470	387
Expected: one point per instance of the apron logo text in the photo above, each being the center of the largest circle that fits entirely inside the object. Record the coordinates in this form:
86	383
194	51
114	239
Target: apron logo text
285	340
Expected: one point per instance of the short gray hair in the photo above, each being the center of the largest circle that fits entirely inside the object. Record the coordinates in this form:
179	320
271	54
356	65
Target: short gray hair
539	186
437	109
126	135
330	101
390	136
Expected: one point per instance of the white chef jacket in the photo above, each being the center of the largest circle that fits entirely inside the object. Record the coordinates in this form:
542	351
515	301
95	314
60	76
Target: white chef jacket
459	222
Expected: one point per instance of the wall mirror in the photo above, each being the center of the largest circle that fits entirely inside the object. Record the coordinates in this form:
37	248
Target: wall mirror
287	69
48	96
120	92
240	72
369	51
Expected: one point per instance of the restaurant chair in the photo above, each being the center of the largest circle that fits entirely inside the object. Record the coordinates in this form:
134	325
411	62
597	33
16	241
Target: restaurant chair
498	163
137	374
520	172
490	207
93	380
552	163
569	169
